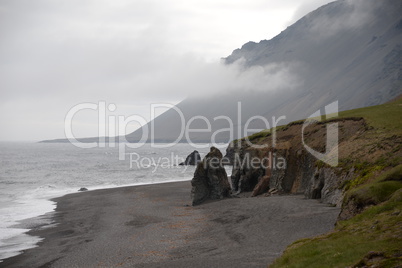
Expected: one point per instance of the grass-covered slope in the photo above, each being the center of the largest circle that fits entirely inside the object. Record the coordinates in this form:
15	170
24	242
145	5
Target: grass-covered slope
369	230
371	237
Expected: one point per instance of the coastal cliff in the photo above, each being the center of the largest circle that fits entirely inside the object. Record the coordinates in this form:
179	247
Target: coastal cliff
287	167
365	182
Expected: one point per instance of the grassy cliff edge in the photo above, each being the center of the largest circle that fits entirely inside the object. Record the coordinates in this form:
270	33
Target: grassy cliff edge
370	233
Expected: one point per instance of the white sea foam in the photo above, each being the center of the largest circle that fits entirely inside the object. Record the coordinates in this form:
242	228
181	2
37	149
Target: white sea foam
32	174
16	243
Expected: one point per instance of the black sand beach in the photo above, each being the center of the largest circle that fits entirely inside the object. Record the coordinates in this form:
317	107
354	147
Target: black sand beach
154	226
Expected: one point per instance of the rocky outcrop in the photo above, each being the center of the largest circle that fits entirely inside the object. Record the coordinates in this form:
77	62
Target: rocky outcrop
259	170
246	171
262	186
325	185
287	167
210	180
287	170
192	159
231	151
263	182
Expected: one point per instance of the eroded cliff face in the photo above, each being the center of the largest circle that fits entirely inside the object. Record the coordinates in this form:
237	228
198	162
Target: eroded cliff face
279	162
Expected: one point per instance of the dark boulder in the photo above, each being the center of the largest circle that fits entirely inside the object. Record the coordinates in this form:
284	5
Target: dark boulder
192	159
210	179
83	189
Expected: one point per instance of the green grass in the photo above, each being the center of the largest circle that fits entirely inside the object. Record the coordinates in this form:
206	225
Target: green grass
258	135
385	116
379	190
365	171
378	228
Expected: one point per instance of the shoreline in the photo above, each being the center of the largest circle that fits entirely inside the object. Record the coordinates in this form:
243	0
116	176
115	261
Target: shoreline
154	225
44	219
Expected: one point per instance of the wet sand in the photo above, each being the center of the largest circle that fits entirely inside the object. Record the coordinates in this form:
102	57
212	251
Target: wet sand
155	226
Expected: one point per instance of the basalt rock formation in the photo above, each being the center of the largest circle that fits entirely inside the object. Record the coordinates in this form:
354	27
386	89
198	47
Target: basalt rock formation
192	159
287	167
210	179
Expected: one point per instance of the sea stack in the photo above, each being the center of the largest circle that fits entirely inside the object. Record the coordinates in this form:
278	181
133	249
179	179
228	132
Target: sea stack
210	180
192	159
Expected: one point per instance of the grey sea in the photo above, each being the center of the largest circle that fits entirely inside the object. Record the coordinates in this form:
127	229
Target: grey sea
33	173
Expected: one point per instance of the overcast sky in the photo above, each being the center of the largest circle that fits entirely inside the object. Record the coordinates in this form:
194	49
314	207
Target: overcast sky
131	53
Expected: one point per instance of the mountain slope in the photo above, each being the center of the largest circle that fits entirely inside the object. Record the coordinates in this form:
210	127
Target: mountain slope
351	49
348	51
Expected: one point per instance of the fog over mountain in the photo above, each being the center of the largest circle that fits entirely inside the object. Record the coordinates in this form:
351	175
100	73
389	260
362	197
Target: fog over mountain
346	51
